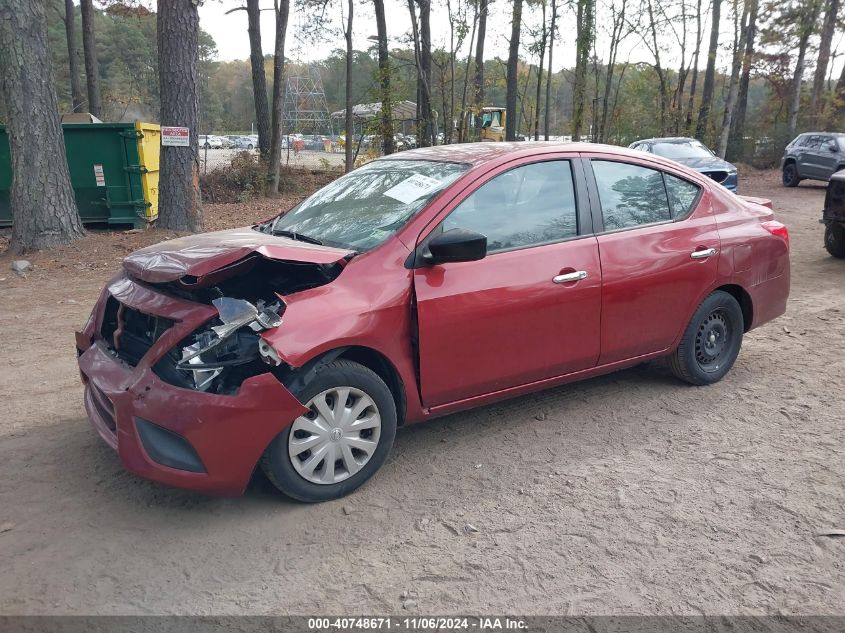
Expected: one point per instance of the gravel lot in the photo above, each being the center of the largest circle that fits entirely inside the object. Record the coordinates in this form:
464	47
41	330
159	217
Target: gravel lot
626	494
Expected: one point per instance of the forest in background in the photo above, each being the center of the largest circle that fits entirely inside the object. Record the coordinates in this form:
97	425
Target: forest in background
622	101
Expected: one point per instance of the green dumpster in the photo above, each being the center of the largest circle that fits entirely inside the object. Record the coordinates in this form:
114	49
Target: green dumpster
113	171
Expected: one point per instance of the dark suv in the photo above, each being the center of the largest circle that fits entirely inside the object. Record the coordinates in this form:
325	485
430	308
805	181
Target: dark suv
813	156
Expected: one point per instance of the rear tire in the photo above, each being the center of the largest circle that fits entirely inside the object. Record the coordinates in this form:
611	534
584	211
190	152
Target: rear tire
790	175
834	240
354	445
711	342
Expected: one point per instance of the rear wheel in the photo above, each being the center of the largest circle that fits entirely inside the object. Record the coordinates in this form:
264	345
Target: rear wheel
834	240
790	175
341	441
711	341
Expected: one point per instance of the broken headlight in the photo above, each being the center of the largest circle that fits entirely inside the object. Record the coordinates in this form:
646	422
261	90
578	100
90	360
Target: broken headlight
234	342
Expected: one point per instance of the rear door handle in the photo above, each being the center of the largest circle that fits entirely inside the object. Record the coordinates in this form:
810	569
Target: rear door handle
578	275
703	254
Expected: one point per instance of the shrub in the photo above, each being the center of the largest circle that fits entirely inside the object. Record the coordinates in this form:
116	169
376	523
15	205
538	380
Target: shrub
244	179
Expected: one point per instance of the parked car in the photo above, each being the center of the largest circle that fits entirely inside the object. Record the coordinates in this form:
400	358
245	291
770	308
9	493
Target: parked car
693	154
245	142
833	216
210	142
813	156
315	142
423	283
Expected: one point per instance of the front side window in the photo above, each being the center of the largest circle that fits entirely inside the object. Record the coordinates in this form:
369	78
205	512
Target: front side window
630	195
362	209
813	142
526	206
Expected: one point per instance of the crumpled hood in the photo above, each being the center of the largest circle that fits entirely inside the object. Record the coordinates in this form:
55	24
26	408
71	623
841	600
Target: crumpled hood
711	163
198	255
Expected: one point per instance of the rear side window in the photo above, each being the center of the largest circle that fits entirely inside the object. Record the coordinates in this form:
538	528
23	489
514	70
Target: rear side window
800	141
682	195
630	195
526	206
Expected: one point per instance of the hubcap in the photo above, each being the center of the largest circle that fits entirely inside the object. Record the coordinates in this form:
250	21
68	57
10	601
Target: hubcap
337	437
712	341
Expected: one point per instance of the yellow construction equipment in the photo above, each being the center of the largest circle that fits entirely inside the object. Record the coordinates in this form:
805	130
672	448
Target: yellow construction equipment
486	124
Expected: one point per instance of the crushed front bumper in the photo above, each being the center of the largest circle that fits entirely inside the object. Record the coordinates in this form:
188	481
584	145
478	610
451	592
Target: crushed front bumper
180	437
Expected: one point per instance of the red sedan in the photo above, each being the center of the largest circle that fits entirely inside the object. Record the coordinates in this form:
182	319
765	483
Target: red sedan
421	284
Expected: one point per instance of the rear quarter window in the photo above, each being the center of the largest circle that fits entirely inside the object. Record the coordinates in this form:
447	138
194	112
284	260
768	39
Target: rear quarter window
630	195
683	195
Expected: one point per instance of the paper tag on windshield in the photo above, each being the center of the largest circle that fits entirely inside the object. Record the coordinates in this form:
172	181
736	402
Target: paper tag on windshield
412	188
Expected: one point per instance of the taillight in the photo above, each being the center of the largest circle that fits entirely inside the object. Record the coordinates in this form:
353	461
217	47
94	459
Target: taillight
776	228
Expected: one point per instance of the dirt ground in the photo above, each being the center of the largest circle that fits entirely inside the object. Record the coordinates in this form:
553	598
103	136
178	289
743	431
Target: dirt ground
626	494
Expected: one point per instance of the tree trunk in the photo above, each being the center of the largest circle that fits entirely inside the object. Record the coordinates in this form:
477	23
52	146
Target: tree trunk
448	115
421	32
658	68
618	25
77	98
479	54
462	133
349	162
806	28
733	90
695	60
540	76
828	31
92	66
583	43
384	79
44	212
180	204
549	78
513	67
282	11
709	74
735	142
259	79
425	68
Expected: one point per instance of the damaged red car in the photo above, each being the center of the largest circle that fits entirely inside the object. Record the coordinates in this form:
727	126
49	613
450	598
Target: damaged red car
420	284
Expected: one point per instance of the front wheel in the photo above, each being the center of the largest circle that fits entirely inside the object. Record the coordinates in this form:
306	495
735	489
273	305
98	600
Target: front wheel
834	239
790	175
341	441
711	341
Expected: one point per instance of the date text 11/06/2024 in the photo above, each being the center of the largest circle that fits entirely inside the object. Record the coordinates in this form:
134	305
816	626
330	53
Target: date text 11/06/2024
419	623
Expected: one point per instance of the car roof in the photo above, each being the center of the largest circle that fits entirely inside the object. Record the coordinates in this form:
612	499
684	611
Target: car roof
479	153
668	139
825	133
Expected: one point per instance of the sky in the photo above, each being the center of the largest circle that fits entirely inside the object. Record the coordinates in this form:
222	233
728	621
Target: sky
229	31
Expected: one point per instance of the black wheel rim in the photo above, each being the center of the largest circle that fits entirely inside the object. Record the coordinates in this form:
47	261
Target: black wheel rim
787	174
713	341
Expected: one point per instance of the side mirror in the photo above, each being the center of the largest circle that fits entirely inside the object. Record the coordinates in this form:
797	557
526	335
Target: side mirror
456	245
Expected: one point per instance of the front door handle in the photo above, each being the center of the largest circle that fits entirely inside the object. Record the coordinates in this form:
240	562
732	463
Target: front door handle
703	254
578	275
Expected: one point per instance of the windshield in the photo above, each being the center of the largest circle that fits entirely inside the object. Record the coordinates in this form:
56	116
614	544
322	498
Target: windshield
362	209
682	149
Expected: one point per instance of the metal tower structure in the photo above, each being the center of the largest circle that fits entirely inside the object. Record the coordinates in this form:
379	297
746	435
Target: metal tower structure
305	109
